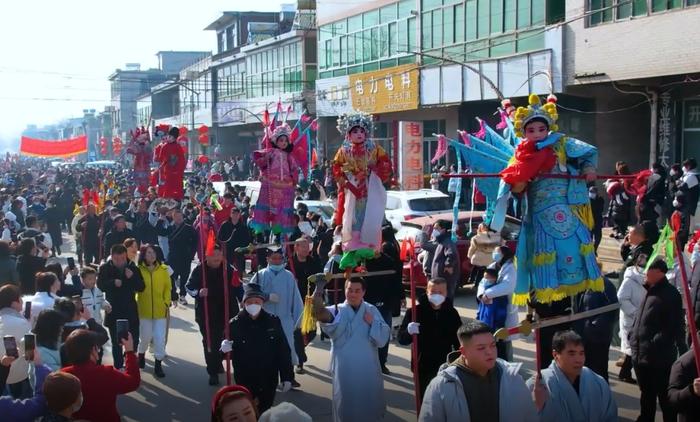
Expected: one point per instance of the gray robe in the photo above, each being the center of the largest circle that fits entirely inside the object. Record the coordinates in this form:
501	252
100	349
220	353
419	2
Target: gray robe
289	307
358	385
594	403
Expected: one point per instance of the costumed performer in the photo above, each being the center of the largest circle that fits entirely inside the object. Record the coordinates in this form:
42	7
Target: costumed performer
555	251
171	167
360	167
140	148
274	209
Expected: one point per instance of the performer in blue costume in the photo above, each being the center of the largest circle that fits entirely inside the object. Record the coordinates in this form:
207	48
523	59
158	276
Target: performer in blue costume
555	252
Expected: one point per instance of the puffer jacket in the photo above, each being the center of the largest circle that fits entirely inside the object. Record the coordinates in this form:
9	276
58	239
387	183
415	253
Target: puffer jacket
481	248
154	301
630	295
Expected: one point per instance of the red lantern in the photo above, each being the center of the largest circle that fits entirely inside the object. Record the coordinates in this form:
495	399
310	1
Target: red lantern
203	129
183	130
203	159
204	139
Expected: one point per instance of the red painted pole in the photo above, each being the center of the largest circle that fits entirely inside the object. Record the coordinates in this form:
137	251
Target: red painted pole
203	265
690	314
414	343
227	328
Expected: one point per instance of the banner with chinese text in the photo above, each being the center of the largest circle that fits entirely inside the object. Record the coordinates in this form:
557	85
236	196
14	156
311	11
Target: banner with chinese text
385	91
411	155
55	148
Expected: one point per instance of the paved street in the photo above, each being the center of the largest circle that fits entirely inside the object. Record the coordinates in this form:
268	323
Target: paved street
183	395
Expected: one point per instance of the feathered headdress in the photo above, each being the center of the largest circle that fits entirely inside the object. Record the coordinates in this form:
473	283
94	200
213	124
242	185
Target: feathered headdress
355	119
141	134
547	112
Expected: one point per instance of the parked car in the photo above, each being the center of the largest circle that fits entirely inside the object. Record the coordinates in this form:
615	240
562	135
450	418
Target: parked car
325	209
423	226
409	204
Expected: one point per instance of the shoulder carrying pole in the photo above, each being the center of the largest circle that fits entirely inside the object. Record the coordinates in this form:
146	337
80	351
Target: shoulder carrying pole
203	266
227	317
690	314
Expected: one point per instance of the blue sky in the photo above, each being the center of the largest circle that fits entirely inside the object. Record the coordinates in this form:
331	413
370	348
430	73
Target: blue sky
57	54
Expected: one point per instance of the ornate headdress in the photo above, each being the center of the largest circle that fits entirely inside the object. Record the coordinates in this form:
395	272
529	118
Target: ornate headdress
355	119
160	131
281	130
546	112
141	134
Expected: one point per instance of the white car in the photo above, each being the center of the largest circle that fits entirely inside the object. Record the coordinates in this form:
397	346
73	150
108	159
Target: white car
325	209
406	205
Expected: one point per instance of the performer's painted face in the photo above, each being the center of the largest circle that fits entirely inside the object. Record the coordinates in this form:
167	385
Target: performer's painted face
357	135
282	142
536	131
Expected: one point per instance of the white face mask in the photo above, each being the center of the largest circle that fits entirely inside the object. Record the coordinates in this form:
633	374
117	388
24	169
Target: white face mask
673	172
436	299
676	204
253	309
496	255
592	195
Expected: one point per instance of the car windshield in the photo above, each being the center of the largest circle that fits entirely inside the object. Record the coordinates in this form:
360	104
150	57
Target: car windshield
324	210
430	204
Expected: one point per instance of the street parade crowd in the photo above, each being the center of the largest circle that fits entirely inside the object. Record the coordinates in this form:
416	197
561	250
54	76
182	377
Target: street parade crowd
263	285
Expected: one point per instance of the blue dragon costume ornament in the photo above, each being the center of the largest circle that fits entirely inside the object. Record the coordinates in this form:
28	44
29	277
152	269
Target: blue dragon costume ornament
555	254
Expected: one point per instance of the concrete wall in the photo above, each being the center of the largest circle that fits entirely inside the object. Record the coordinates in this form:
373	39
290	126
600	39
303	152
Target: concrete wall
656	45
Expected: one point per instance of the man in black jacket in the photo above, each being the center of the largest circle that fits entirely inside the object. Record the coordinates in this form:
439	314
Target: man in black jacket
260	352
235	234
684	388
182	245
144	231
303	265
636	248
597	331
212	293
88	228
117	234
658	325
437	322
120	280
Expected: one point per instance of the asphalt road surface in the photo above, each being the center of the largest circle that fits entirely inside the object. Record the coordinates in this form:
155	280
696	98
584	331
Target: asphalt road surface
184	395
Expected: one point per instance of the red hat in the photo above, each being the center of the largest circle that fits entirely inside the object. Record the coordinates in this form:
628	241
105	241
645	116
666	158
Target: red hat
228	389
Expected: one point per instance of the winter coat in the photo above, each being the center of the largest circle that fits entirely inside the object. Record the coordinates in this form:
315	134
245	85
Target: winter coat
630	295
690	187
620	208
8	270
599	328
631	254
445	400
386	291
659	324
12	323
90	234
261	354
481	248
680	388
437	336
153	302
504	286
144	231
122	299
27	267
26	410
446	255
115	237
215	295
182	242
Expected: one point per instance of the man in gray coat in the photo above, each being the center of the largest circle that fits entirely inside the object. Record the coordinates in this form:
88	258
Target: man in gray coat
445	263
476	386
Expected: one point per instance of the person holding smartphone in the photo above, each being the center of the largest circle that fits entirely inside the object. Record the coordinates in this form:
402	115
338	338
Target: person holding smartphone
120	280
13	409
14	324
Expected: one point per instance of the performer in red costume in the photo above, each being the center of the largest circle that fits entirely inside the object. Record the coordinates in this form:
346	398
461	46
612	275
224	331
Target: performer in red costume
171	167
140	148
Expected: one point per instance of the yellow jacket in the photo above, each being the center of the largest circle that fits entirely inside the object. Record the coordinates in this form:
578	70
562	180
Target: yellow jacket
154	300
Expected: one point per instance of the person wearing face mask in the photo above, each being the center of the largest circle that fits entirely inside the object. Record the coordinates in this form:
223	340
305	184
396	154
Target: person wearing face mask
672	184
259	350
213	294
475	385
503	287
651	203
680	219
436	323
283	298
690	185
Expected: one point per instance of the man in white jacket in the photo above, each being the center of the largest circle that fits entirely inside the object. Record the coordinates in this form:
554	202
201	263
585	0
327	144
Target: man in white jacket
13	323
477	386
630	295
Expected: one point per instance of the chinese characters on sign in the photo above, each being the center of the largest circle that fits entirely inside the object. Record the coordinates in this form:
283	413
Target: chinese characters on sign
384	91
411	155
665	129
